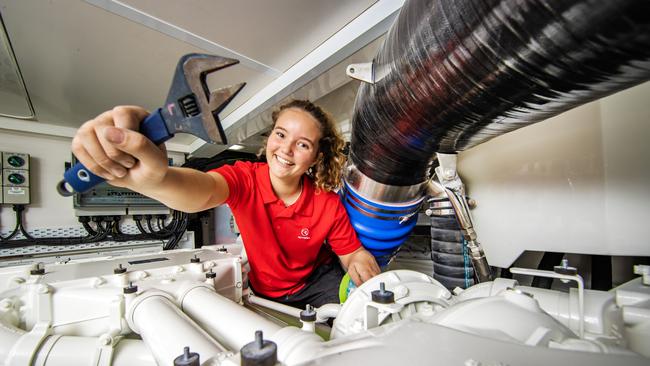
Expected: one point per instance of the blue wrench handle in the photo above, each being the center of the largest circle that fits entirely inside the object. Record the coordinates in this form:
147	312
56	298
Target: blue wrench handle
81	179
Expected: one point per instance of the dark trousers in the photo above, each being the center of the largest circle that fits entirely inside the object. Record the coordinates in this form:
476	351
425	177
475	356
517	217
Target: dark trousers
322	287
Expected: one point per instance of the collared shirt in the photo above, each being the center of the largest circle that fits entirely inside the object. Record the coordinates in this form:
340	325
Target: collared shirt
284	243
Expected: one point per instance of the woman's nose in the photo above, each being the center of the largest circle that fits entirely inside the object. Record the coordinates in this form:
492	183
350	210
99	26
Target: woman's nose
286	146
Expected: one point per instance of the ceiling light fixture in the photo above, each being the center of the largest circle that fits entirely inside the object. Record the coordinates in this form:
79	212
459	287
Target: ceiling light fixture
236	147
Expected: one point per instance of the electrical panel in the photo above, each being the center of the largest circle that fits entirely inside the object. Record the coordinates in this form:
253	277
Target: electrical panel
106	199
106	195
15	178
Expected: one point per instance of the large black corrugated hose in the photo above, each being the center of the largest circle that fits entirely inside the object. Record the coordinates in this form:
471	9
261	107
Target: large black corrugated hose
456	73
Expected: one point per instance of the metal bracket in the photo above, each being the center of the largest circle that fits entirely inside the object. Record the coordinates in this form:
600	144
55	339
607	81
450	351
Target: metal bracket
363	72
375	311
566	277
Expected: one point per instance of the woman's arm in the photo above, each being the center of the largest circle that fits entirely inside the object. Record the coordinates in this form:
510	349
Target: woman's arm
361	265
189	190
111	147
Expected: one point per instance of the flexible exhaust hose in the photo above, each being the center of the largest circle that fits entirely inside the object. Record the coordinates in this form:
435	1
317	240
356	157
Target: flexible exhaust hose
452	74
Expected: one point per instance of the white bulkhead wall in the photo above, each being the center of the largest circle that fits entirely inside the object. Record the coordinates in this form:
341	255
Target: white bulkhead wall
576	183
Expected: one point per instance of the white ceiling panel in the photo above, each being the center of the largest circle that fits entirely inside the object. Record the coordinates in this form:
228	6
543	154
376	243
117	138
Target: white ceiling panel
277	33
81	57
76	69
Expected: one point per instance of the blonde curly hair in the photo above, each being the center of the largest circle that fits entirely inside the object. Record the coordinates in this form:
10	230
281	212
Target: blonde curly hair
328	169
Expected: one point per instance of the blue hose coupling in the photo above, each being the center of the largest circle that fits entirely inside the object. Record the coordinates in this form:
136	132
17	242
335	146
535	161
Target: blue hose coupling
381	227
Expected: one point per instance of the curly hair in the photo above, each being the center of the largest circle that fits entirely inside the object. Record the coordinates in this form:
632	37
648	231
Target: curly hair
328	169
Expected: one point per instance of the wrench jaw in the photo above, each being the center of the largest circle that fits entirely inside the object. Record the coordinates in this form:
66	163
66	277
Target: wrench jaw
191	107
219	99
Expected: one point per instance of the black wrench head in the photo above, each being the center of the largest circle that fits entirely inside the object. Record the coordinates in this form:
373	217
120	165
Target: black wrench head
190	106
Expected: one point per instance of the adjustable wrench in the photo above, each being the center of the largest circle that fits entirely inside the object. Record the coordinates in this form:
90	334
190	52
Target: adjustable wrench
190	108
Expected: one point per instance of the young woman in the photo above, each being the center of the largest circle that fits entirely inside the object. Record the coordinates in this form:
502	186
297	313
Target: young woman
289	217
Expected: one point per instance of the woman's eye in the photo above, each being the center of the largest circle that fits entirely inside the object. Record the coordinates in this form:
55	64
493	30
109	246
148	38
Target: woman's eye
279	134
303	145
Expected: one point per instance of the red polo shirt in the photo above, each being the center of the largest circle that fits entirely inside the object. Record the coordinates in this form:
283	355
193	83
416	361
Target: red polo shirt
283	244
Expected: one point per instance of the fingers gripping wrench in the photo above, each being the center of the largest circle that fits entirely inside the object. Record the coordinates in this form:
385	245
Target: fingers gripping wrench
190	108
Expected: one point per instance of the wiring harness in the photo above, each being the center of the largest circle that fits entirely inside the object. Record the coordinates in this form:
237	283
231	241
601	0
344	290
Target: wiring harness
104	228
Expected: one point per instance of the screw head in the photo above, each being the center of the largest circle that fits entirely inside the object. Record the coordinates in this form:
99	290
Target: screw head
130	289
119	269
210	275
308	315
382	295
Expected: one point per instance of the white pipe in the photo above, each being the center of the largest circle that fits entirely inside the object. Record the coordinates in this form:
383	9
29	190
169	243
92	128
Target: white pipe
635	315
71	350
284	309
132	352
327	311
166	329
9	335
57	350
230	323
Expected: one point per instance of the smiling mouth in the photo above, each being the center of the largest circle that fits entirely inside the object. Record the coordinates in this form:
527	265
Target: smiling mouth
283	161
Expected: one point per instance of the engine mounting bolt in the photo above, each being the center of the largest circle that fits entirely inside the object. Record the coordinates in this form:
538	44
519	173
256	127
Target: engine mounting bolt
382	295
119	269
187	358
308	315
260	352
130	289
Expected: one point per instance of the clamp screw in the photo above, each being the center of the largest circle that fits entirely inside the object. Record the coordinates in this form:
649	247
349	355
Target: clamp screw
195	259
565	269
210	274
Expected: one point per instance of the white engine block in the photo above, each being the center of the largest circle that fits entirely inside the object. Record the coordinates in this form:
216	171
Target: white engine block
82	313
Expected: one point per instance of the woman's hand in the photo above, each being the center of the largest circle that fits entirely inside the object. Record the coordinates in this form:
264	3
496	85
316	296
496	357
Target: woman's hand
361	265
110	146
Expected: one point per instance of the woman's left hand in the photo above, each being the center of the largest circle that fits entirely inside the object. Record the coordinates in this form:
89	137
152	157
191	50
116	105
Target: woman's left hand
361	265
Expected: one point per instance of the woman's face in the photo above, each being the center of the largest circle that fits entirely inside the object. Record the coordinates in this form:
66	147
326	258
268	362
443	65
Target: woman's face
292	146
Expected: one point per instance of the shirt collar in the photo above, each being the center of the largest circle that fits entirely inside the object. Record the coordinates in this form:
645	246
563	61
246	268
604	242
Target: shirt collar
304	204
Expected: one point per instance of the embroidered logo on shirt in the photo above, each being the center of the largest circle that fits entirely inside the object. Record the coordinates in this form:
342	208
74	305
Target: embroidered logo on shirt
304	234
